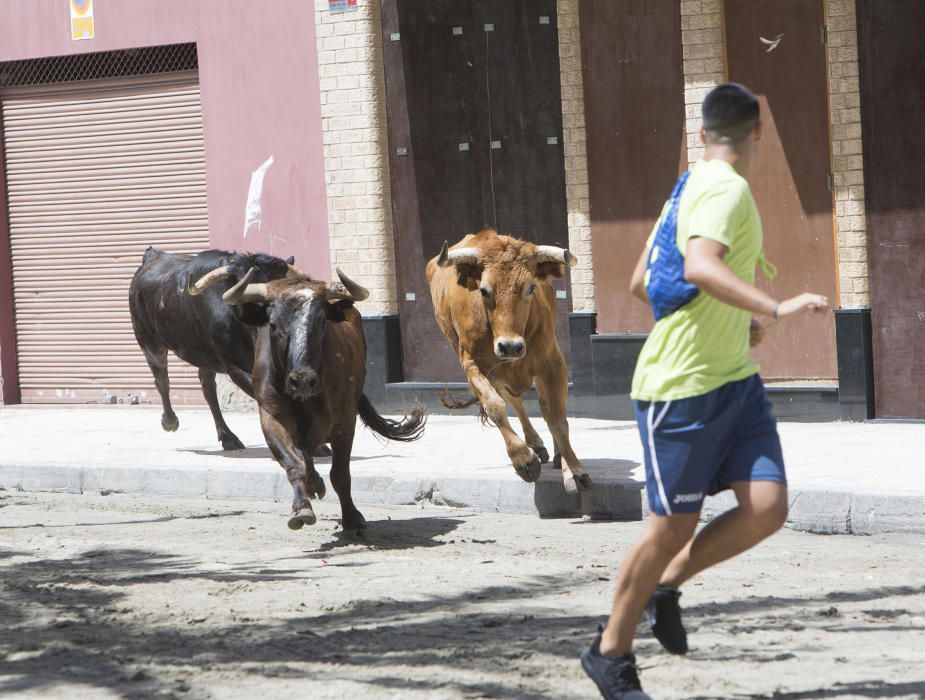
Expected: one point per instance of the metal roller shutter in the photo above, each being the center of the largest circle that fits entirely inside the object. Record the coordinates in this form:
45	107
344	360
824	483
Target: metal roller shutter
97	172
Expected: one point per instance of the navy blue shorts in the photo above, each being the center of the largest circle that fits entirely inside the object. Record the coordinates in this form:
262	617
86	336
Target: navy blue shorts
701	445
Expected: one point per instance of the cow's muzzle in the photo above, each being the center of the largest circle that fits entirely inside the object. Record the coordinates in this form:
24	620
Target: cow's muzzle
303	384
510	348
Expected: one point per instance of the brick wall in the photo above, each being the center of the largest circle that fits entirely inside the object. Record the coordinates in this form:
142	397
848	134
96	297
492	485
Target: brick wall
356	150
847	161
704	55
576	159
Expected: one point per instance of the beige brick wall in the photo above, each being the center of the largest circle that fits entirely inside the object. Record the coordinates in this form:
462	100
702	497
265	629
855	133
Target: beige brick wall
356	150
576	158
704	56
847	161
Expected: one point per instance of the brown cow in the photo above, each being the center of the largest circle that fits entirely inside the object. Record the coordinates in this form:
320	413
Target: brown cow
309	368
494	304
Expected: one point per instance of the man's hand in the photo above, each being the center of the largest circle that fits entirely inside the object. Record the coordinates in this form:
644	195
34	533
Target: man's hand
755	333
801	304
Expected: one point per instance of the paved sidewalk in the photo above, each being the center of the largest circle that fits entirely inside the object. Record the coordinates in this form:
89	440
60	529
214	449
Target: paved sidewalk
845	477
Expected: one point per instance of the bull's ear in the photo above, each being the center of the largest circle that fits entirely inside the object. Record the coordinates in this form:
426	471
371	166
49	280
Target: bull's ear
335	309
252	314
550	269
290	260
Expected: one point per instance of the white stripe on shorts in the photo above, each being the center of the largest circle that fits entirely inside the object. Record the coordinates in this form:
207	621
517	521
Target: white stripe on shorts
658	476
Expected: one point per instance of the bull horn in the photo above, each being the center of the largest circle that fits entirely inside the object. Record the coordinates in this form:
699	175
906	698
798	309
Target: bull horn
467	256
294	271
244	292
348	288
552	253
208	280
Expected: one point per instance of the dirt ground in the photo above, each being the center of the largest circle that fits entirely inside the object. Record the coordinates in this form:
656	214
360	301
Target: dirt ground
115	596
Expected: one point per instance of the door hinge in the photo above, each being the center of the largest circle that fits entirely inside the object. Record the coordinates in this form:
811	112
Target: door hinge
830	181
824	34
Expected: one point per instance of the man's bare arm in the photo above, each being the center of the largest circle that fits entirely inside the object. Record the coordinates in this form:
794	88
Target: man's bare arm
638	280
705	268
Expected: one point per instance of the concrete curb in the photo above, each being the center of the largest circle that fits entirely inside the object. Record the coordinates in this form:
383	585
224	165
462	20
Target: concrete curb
819	511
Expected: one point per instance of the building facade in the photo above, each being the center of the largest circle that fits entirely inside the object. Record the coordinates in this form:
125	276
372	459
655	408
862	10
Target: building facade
392	128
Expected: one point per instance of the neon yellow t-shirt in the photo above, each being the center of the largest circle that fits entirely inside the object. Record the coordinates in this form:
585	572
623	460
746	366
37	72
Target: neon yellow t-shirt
704	344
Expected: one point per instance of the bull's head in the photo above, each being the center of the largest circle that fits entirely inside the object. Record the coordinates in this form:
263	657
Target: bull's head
298	312
506	276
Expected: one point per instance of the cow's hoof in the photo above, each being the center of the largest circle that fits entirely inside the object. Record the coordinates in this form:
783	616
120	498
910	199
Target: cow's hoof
541	453
306	516
170	423
231	442
576	484
322	451
354	522
529	472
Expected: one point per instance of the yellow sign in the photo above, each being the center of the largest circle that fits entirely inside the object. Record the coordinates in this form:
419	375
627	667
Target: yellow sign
81	19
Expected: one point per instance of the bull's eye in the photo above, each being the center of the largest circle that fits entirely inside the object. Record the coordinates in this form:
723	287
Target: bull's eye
485	292
531	289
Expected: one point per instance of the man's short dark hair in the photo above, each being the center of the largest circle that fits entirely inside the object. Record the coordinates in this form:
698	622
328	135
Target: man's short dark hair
730	113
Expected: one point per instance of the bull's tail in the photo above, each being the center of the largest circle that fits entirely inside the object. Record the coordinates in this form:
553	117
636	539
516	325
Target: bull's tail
455	402
405	430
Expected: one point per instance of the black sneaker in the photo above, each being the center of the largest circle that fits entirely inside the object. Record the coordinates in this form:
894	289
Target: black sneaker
664	616
615	676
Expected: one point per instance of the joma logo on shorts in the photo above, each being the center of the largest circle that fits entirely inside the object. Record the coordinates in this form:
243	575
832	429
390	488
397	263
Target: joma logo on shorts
687	497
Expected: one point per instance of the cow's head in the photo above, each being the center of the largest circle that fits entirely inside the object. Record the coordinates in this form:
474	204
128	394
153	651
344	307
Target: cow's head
506	272
299	310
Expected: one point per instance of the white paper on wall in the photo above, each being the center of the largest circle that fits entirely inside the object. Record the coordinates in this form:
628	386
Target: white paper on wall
252	211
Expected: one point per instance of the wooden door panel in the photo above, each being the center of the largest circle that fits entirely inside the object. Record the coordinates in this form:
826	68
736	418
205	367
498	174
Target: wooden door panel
634	115
892	63
790	176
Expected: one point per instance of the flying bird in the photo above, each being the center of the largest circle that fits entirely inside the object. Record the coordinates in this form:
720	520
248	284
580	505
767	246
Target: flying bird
771	43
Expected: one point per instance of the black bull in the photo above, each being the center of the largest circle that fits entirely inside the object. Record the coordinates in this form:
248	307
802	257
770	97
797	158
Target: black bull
200	329
309	369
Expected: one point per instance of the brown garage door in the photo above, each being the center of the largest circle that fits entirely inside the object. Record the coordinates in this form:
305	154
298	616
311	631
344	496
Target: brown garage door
790	175
96	172
634	112
892	62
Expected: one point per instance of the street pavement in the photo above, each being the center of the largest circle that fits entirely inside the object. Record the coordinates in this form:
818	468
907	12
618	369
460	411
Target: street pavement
856	478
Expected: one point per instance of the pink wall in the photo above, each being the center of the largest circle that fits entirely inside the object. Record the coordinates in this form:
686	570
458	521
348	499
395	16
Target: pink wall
258	74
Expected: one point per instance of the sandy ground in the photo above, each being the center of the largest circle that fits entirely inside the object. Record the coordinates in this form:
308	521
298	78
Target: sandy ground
114	596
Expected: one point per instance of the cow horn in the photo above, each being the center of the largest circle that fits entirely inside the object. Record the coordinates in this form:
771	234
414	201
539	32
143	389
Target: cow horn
208	280
552	253
348	289
244	292
459	256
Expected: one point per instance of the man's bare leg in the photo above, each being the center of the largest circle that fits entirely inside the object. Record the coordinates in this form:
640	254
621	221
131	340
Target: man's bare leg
640	573
761	512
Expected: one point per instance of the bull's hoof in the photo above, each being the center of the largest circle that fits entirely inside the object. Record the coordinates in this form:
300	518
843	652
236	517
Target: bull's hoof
231	442
170	423
575	484
353	522
541	453
322	451
529	472
557	461
316	487
305	516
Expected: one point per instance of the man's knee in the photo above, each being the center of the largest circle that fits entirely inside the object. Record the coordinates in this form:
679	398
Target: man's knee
770	517
670	533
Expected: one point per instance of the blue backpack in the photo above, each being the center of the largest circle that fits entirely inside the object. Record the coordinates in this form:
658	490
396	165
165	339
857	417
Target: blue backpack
666	287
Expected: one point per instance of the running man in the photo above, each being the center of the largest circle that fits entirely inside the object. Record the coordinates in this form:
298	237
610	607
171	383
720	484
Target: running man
705	422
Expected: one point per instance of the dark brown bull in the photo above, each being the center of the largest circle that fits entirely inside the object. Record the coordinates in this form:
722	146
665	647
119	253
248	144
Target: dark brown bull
309	368
494	304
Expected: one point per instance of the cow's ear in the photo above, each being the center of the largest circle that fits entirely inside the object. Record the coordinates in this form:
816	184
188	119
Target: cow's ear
467	275
252	314
546	270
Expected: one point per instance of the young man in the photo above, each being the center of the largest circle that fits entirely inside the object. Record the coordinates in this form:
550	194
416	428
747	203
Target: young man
703	417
